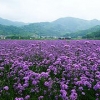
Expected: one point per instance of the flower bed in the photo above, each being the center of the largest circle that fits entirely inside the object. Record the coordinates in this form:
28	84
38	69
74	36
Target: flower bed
49	70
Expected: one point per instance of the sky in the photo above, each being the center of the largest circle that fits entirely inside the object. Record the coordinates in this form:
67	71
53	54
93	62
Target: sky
48	10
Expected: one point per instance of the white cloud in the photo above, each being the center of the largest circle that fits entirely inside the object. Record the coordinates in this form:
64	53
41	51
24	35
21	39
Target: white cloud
48	10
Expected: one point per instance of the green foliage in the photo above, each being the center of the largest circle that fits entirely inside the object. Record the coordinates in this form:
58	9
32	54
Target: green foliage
91	33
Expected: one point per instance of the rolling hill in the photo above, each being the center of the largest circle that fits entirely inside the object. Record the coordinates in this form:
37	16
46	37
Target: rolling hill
60	26
9	23
84	33
67	26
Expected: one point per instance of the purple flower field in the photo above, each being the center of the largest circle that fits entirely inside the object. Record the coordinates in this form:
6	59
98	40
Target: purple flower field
49	70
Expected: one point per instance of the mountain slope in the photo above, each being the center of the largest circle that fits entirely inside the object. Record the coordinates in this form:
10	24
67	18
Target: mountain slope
8	22
75	24
67	26
11	31
83	33
61	26
94	33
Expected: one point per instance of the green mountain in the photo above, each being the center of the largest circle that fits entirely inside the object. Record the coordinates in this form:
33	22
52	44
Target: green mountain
83	33
8	22
71	24
10	30
93	33
67	26
60	26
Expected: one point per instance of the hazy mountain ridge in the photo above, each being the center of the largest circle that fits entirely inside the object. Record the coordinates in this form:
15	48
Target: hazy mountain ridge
61	26
9	23
67	26
75	24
